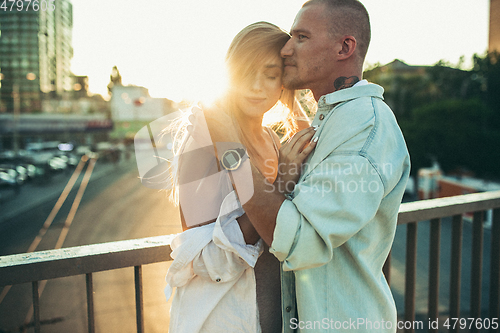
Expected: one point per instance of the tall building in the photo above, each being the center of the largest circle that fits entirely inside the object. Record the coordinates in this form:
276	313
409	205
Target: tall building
35	53
494	36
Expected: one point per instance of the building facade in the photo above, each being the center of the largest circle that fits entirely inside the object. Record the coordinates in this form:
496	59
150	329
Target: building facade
132	108
35	54
36	128
494	36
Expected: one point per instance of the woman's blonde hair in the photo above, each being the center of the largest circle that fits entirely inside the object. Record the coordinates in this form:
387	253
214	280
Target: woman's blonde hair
253	45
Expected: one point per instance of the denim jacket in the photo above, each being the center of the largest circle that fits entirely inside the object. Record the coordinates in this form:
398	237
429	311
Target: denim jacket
334	232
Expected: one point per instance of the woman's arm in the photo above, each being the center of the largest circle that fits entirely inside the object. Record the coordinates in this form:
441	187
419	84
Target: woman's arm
192	167
249	233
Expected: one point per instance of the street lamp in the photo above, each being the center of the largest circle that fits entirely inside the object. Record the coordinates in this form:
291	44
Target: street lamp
17	110
17	105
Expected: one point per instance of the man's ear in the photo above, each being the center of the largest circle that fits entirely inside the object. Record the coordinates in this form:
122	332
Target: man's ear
348	47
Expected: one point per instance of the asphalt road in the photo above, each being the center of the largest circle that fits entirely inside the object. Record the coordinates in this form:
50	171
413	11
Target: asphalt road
115	207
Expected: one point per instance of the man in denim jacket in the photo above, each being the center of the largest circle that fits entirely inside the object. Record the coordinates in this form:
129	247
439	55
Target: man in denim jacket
334	229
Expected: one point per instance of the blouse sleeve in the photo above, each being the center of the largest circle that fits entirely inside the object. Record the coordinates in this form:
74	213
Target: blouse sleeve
227	255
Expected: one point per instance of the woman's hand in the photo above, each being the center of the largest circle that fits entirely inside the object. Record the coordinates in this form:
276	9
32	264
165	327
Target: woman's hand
292	155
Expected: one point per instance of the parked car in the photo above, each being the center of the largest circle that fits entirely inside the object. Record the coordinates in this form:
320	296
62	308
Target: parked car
46	156
67	151
28	169
10	159
10	178
109	152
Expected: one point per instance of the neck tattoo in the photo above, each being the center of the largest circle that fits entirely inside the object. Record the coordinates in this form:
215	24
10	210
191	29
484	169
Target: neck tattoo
345	82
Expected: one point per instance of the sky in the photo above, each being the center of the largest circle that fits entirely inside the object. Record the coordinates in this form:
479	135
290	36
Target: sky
176	48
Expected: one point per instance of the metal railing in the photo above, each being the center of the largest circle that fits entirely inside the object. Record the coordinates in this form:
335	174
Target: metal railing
86	260
40	266
434	210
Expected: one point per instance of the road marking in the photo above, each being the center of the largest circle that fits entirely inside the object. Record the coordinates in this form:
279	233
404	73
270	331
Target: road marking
76	204
53	213
65	230
67	223
58	205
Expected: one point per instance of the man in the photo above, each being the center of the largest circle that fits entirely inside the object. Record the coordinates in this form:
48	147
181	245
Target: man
333	232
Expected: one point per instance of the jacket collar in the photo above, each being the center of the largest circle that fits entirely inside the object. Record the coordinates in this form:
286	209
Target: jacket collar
343	95
327	105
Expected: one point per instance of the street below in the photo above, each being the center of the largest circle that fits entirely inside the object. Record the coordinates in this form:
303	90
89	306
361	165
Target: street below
115	206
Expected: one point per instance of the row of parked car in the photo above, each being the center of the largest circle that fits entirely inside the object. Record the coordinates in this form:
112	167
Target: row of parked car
41	160
38	162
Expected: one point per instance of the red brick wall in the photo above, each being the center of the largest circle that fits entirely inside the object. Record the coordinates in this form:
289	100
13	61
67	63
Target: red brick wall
449	189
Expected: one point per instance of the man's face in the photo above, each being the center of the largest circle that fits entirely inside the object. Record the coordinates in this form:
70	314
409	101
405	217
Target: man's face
309	54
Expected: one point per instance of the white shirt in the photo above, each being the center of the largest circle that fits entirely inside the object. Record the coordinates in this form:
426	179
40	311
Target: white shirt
214	278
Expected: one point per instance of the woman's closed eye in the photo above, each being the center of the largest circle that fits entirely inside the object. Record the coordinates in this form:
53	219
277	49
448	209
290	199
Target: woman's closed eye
273	74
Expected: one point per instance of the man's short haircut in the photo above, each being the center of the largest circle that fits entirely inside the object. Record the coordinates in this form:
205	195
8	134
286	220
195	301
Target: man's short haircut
348	17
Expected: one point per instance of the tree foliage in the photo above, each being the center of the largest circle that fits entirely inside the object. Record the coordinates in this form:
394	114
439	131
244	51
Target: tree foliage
456	133
447	114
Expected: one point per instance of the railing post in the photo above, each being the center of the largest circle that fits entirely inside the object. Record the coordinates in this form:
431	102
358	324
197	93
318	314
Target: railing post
495	266
36	306
456	267
476	267
434	253
387	269
139	299
90	303
411	273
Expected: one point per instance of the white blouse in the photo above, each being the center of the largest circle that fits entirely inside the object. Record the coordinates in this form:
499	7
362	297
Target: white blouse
214	278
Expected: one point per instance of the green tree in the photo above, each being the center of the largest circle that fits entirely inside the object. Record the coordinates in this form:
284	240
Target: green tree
446	113
486	75
457	134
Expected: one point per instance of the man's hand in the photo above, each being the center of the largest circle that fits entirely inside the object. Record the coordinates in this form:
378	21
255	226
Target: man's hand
292	154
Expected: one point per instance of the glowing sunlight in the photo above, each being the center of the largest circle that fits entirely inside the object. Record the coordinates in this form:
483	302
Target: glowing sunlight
176	49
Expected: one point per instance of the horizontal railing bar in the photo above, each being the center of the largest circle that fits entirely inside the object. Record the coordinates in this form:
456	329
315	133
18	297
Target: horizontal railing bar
45	265
449	206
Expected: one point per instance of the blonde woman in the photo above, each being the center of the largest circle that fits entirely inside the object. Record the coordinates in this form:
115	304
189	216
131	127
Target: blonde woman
220	284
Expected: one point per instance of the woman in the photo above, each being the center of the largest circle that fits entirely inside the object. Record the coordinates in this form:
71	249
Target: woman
214	257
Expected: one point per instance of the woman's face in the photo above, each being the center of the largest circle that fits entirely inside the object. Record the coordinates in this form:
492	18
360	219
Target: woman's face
260	91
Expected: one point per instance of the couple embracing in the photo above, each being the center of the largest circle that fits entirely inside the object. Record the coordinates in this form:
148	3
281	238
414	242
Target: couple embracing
307	256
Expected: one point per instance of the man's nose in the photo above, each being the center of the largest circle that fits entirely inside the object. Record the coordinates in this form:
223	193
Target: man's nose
287	50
